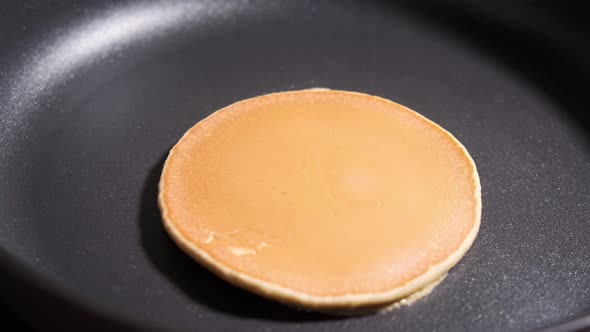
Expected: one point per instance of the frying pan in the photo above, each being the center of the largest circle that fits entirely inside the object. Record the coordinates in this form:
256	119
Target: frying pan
94	94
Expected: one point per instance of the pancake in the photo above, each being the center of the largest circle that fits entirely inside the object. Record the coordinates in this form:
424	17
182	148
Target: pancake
323	199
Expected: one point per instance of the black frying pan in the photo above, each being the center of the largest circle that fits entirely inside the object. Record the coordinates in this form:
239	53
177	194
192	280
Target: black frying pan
93	95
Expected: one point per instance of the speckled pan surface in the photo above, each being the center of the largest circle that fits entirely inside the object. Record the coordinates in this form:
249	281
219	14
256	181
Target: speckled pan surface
94	94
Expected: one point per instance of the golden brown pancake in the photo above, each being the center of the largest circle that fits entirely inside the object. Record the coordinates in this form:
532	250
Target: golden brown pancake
322	199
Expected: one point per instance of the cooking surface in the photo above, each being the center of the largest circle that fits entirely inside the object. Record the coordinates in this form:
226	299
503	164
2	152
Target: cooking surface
93	96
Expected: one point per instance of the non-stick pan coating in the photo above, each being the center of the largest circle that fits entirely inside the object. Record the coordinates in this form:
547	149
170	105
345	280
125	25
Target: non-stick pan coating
93	95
